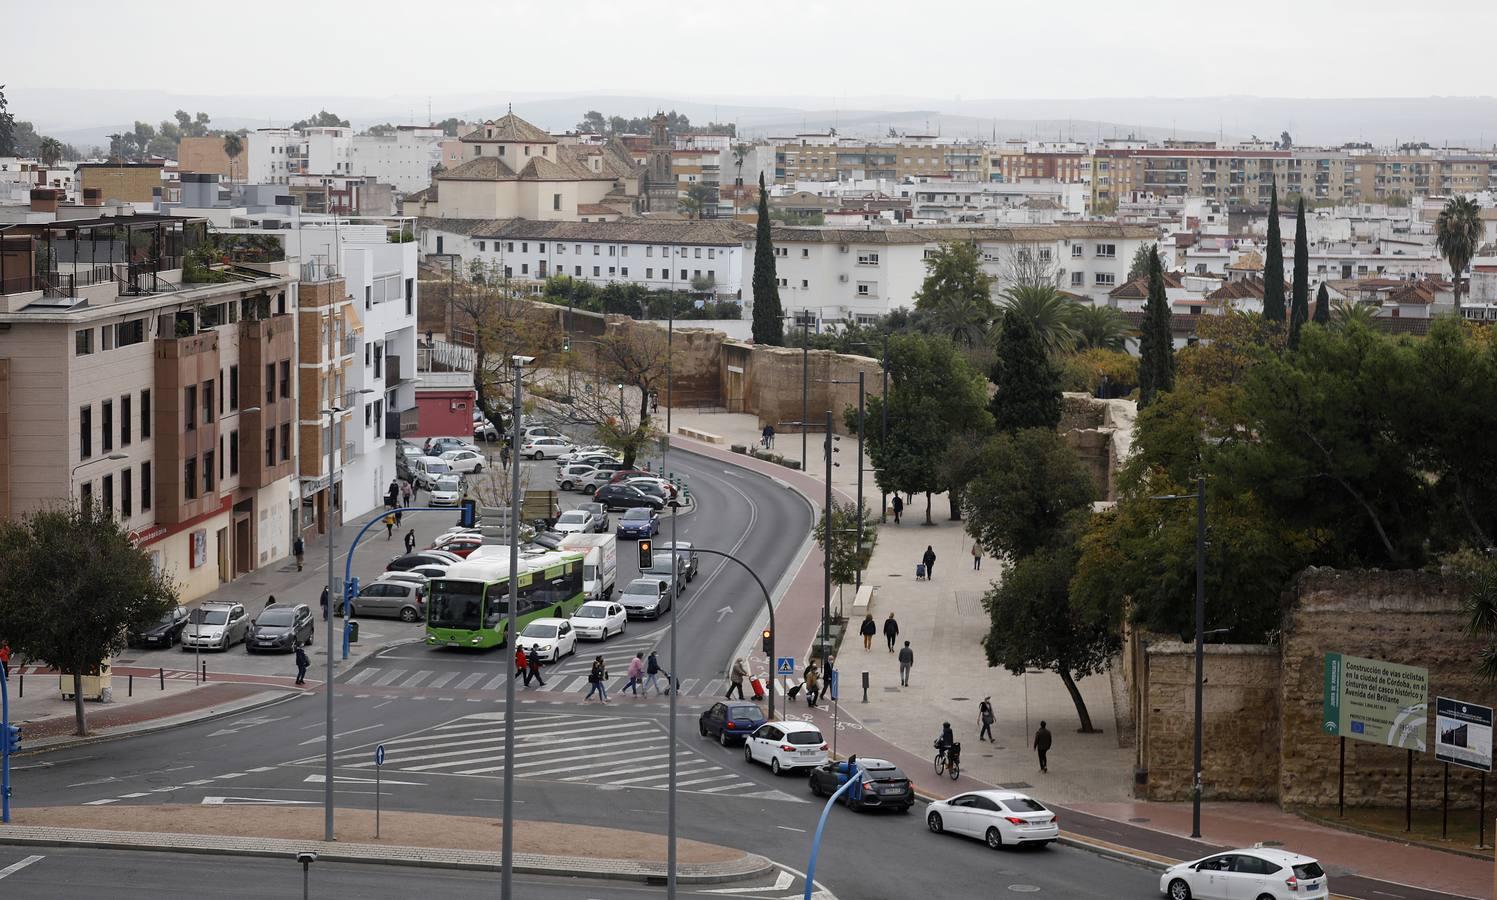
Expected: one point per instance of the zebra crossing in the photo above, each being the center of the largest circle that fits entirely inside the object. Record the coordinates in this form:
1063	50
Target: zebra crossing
570	748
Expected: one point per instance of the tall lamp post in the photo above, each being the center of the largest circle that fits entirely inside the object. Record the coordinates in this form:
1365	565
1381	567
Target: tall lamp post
507	854
862	399
1200	498
883	405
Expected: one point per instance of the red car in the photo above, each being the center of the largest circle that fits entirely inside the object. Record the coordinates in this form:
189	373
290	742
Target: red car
621	474
462	546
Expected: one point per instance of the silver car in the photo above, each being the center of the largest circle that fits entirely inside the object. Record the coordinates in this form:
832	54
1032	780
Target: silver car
215	626
646	598
392	599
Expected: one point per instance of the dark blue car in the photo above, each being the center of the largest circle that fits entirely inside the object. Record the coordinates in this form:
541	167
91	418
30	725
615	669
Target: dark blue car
730	722
639	522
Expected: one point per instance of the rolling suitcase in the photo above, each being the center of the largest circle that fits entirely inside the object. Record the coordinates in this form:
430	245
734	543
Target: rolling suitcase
758	687
919	571
793	691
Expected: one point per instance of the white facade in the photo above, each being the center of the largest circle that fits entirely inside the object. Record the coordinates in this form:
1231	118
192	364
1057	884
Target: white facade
274	155
403	160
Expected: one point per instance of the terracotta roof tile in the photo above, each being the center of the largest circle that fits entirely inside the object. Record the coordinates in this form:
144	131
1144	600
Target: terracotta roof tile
509	128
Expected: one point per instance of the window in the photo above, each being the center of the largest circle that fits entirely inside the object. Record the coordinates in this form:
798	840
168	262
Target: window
1045	254
556	201
127	493
612	250
868	259
85	432
145	417
269	383
524	268
624	250
597	250
207	473
1075	251
234	452
285	441
106	496
611	271
577	248
145	487
368	296
1078	279
128	333
379	410
698	252
208	401
712	253
782	251
1107	251
270	446
190	479
125	420
1106	279
649	273
481	247
410	296
561	249
86	493
106	338
379	359
577	270
650	251
865	289
83	342
803	282
595	271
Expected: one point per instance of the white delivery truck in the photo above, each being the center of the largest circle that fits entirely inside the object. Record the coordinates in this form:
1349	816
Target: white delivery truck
600	563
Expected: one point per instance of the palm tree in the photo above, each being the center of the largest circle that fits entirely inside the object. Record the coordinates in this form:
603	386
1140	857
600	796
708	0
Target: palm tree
1047	309
233	146
1457	236
1347	316
961	317
51	151
1098	327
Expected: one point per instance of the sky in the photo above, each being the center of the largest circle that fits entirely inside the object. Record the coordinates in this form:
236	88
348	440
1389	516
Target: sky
792	52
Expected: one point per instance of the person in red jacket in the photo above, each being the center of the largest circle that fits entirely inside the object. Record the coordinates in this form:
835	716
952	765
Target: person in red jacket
522	667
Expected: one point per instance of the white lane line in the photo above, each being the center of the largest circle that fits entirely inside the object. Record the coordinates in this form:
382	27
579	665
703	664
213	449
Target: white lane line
401	763
441	680
389	677
494	682
101	802
273	768
231	775
133	796
630	771
361	675
576	765
417	679
13	868
728	787
454	739
324	738
201	781
705	780
664	777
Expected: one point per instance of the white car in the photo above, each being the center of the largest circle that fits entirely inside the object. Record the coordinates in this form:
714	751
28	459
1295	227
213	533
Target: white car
786	745
1002	818
554	637
544	447
409	577
582	451
448	555
1255	874
597	619
446	490
572	476
215	626
464	460
574	521
430	571
542	431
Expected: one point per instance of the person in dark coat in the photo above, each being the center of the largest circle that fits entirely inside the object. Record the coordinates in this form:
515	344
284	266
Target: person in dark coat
392	496
324	602
534	661
985	718
410	541
302	663
1042	746
891	631
930	561
868	630
299	550
898	506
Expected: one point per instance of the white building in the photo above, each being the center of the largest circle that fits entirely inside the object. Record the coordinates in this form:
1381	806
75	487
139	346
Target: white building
403	160
277	154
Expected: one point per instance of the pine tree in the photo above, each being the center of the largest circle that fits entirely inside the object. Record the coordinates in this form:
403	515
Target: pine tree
1273	265
1028	384
1323	306
1156	341
1299	309
769	327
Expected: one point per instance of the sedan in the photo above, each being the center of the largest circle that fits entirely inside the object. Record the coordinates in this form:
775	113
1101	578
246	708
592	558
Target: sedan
438	446
392	599
786	745
280	628
424	558
877	784
998	817
575	521
554	638
645	598
446	490
592	449
640	522
573	476
594	458
730	722
596	620
601	523
544	447
1253	874
622	496
463	545
464	460
484	430
164	632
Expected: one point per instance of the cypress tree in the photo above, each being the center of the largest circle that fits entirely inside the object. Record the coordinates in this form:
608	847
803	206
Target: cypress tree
1156	342
1323	306
1273	265
1299	309
1028	384
769	328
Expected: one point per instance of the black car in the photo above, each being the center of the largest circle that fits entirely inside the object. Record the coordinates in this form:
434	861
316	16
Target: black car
880	784
412	560
624	496
280	628
165	632
730	722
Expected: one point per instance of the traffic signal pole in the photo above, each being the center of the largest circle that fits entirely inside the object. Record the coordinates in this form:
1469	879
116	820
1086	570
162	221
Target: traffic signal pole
5	741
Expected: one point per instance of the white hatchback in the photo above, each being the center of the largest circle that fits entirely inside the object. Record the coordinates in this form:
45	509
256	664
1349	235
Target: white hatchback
786	745
1253	874
1002	818
597	619
554	637
543	447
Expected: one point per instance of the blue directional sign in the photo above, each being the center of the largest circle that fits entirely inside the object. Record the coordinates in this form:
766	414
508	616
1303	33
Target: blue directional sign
784	665
379	755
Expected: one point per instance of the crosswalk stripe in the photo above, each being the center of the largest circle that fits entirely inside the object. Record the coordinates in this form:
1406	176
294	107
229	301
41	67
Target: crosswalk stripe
417	679
705	780
495	681
485	719
574	764
654	766
688	685
361	675
665	776
442	679
499	740
469	681
389	677
729	787
713	687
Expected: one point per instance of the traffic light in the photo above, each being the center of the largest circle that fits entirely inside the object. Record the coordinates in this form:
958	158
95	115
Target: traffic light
644	554
12	739
768	641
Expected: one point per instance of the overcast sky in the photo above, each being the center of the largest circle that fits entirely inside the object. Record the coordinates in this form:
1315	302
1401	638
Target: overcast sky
823	52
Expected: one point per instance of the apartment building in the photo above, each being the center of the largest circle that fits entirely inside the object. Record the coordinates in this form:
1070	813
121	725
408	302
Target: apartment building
274	155
170	403
1015	162
403	159
825	157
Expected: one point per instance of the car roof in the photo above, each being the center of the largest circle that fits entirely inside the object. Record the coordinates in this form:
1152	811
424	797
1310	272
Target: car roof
996	795
787	725
655	582
219	604
1283	857
547	620
639	512
603	603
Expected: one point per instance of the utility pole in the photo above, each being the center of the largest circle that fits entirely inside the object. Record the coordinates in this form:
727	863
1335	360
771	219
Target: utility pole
805	394
859	557
1195	812
826	549
883	404
507	855
332	598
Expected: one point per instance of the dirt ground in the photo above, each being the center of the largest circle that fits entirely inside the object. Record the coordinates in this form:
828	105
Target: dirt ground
396	829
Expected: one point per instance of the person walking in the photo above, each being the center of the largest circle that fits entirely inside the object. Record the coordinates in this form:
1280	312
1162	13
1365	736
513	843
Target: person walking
5	657
390	524
735	679
636	674
397	518
324	603
813	684
597	677
868	630
534	661
976	557
1042	745
302	664
985	718
906	662
522	665
898	506
410	541
392	496
767	436
299	550
652	673
929	559
271	602
405	493
891	631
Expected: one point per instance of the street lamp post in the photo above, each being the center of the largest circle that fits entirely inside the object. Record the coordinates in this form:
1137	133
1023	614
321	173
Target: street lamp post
805	391
862	396
73	474
826	549
507	854
621	406
883	405
1199	496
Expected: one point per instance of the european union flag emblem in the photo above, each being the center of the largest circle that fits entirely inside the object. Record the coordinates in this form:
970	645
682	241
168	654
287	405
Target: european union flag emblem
1358	728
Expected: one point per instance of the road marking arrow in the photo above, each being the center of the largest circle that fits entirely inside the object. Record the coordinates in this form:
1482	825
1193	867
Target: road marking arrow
724	613
255	801
349	779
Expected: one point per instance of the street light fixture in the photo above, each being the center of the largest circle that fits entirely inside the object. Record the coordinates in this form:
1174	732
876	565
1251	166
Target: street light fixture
72	474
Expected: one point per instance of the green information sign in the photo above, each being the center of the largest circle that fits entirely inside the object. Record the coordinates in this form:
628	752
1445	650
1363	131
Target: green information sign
1375	701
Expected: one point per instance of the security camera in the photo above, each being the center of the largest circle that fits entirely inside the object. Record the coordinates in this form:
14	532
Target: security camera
306	857
521	361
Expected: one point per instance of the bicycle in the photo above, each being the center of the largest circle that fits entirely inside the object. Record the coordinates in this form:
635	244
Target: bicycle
949	762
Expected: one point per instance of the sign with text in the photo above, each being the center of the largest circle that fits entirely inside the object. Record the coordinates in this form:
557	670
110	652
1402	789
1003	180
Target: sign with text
1463	733
1375	701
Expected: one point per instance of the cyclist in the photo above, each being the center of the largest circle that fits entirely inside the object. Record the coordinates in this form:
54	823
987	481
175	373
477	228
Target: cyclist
946	740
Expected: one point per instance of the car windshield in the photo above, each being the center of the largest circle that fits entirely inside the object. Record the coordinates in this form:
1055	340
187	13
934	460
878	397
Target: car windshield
594	508
573	517
455	604
210	616
168	619
648	588
539	630
804	737
591	612
639	513
436	467
1025	805
447	484
274	616
1308	870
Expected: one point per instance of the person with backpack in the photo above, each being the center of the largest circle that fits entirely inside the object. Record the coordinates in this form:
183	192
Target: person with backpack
985	718
597	678
390	524
891	631
652	673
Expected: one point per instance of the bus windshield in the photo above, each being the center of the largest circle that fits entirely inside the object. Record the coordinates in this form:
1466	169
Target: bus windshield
455	604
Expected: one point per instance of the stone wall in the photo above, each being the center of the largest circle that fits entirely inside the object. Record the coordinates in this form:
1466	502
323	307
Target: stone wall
1240	722
1100	431
768	382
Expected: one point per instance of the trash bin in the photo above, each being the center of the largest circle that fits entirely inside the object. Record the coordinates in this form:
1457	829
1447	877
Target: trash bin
96	684
353	631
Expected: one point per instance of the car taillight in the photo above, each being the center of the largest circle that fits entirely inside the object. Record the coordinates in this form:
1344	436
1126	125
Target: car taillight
729	725
867	785
787	748
1292	883
823	746
1016	820
1055	820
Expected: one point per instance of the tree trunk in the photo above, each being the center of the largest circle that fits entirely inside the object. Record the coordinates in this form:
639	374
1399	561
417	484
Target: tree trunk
78	713
1081	713
928	519
954	499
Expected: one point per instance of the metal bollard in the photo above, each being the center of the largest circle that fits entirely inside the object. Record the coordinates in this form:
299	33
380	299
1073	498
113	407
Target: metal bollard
130	686
865	687
161	674
205	670
21	685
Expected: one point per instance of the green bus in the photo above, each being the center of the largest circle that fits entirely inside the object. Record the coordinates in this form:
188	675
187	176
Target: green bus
468	607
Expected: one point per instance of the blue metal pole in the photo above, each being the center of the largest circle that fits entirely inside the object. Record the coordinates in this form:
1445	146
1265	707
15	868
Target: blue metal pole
4	747
820	825
348	560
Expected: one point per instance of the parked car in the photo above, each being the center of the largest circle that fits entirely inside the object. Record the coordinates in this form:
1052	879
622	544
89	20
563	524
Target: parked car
645	598
1255	874
572	475
651	481
601	523
423	558
621	475
391	599
446	490
164	632
429	571
483	429
878	784
280	627
463	545
998	817
587	450
596	620
730	722
596	459
215	626
440	445
451	533
542	431
448	555
411	577
639	522
623	496
427	469
555	638
574	521
651	488
544	447
464	460
786	745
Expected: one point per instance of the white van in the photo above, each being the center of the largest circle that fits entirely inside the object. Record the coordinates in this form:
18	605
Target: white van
426	470
600	562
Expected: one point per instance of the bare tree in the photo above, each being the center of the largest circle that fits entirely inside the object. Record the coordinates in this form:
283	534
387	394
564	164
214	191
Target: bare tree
504	325
1023	266
624	369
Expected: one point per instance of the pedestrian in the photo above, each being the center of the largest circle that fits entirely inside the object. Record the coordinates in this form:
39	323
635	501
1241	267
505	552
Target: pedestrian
906	661
654	403
534	661
813	684
1042	745
271	602
5	657
597	676
636	674
652	673
898	506
299	550
735	679
429	341
522	665
324	603
504	456
868	630
397	518
891	631
985	718
767	436
302	663
976	557
390	524
929	559
410	541
405	493
392	496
